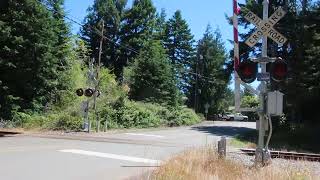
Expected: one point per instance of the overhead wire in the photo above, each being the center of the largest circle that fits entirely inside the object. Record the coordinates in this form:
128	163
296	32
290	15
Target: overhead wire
95	30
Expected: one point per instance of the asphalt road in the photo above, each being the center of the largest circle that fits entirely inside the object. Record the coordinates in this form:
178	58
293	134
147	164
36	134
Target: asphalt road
103	156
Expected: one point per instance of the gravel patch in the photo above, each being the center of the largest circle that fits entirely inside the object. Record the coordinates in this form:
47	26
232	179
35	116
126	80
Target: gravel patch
241	158
312	167
307	166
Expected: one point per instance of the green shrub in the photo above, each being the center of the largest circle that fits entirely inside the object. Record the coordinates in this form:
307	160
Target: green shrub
66	122
127	114
35	121
54	121
122	113
19	118
183	116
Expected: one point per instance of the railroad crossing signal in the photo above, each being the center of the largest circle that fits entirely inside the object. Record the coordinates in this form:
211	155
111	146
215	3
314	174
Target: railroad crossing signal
265	27
87	92
80	92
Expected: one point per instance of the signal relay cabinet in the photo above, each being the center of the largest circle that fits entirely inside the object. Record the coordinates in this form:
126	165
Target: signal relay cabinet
275	103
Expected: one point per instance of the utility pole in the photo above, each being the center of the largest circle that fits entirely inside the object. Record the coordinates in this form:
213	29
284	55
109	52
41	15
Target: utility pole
90	81
196	88
97	78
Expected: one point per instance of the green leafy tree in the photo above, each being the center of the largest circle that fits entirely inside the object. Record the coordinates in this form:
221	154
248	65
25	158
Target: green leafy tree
250	101
227	100
152	78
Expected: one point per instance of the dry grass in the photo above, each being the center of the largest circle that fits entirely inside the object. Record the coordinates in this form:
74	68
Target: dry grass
204	164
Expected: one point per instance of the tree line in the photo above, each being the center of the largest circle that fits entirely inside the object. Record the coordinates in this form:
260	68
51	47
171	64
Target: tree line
198	68
156	57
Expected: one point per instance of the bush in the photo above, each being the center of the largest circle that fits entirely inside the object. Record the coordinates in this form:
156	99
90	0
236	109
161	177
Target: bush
183	116
127	114
34	121
59	121
63	122
19	118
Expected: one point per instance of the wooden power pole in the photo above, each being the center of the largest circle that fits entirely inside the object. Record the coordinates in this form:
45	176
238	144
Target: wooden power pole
97	79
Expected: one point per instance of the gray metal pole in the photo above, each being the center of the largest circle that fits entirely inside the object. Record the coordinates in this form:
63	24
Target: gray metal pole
260	151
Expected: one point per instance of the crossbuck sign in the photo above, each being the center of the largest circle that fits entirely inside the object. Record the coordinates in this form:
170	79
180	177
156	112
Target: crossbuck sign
265	28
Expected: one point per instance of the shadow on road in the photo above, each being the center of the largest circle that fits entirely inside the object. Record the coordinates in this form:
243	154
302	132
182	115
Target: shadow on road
8	133
230	131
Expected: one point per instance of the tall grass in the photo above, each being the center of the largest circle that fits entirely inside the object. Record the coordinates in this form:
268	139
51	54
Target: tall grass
204	164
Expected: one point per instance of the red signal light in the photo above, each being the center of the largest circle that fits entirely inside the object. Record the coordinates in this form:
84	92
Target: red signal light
279	70
248	71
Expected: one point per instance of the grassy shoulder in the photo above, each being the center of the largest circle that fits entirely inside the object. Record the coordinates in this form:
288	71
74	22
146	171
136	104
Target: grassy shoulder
204	164
245	140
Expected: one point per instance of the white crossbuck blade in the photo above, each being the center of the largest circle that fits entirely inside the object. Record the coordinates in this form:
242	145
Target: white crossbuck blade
265	27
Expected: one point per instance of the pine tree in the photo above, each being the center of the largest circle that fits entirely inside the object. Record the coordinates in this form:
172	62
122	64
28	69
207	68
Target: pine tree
62	47
111	12
152	78
310	67
138	27
210	80
179	43
29	61
160	30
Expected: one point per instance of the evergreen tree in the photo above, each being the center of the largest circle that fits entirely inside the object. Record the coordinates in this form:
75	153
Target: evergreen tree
62	47
111	12
160	30
152	78
139	25
29	59
309	72
210	80
179	43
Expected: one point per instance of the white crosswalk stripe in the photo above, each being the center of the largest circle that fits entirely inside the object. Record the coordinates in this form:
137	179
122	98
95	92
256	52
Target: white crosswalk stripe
111	156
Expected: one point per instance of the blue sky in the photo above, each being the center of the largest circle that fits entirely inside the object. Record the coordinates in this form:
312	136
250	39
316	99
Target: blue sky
198	13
